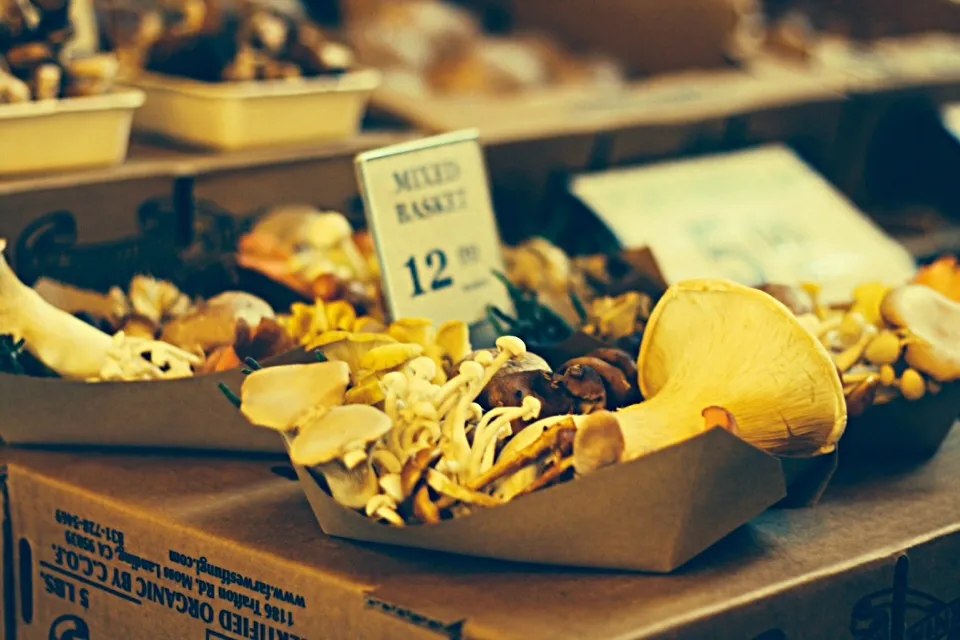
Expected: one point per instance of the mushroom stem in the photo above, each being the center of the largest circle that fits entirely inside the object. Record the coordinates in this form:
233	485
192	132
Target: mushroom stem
62	342
352	488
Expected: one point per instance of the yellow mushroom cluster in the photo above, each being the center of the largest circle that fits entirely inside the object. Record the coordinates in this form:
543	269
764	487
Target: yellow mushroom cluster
394	424
890	343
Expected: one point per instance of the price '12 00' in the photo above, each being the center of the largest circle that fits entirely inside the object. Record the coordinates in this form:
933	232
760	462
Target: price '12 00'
435	263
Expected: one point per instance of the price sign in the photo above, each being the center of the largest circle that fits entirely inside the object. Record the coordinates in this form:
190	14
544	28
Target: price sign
754	216
428	206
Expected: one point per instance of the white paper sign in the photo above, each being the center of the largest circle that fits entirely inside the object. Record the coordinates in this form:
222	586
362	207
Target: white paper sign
753	216
428	206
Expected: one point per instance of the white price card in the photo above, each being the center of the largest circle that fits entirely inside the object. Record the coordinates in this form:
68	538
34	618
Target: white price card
753	216
428	207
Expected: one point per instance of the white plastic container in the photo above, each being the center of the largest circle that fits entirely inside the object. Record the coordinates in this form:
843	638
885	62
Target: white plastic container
74	133
239	115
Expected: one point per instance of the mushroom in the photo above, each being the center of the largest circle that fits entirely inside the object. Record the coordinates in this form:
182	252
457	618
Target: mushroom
284	397
453	339
383	507
214	323
348	347
599	443
62	342
13	90
388	357
494	426
139	359
618	390
416	330
338	446
717	343
932	322
46	82
160	300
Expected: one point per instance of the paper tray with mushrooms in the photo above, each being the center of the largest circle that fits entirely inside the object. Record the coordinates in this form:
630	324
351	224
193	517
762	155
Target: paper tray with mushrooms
132	367
897	352
413	438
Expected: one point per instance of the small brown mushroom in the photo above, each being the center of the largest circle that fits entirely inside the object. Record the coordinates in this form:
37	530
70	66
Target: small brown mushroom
29	56
509	391
424	508
618	389
586	386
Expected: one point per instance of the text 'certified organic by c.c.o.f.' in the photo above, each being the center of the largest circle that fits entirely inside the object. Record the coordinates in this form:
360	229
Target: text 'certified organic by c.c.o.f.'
428	206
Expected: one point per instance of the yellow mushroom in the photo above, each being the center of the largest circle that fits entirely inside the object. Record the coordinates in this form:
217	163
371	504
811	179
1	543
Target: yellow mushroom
885	349
348	347
912	385
718	343
389	356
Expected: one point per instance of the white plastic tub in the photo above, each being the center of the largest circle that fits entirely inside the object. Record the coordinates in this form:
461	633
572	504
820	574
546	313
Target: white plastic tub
74	133
238	115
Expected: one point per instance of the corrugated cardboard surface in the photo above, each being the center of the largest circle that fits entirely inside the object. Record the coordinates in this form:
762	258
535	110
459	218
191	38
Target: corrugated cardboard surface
820	574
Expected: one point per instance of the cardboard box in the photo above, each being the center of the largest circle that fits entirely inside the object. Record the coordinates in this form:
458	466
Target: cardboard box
878	555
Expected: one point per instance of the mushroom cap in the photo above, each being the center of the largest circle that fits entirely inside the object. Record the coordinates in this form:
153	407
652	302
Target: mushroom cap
417	330
327	440
276	397
327	229
244	306
349	347
453	338
933	321
718	343
389	356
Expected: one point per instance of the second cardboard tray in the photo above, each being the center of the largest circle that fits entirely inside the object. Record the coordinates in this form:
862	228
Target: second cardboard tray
186	414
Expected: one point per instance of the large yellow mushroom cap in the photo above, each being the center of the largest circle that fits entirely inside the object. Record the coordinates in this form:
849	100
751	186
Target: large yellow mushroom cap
718	343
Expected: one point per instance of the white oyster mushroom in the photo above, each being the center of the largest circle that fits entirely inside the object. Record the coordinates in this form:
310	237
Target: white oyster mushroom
137	359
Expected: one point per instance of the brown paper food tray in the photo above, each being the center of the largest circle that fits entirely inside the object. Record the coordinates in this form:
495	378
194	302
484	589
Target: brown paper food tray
838	571
166	414
652	514
902	429
667	100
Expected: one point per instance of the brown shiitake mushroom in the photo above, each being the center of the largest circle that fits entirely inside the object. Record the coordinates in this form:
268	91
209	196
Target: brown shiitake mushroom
621	390
509	390
585	386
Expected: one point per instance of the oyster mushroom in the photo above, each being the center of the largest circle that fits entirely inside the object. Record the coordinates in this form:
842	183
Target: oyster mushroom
139	359
416	330
453	339
717	343
338	446
287	397
349	347
932	322
389	356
